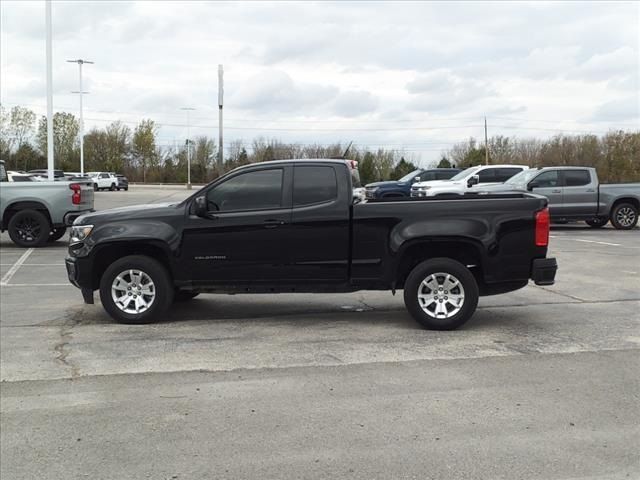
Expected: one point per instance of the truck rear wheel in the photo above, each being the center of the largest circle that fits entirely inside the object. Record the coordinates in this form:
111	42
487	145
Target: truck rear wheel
29	228
624	216
136	290
441	294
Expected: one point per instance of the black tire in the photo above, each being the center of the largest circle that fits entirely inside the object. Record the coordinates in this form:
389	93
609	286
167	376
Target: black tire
423	271
112	187
624	216
29	228
95	187
184	295
597	222
118	188
158	275
126	189
56	234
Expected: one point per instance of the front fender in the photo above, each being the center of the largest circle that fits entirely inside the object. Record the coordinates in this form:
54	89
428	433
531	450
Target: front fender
130	232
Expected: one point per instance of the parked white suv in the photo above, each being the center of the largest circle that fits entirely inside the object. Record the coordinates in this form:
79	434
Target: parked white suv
465	181
103	180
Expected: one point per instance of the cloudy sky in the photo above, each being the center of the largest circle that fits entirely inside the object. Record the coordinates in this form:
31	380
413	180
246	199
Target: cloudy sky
413	76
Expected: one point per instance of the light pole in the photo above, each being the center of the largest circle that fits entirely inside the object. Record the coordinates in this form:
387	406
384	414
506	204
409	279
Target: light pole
49	91
188	109
220	105
80	92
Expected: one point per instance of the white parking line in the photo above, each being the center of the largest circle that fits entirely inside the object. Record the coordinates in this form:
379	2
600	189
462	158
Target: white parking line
16	266
35	264
36	285
599	243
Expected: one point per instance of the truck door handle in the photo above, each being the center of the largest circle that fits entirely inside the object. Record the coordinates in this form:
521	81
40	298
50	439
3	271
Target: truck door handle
591	190
556	191
272	223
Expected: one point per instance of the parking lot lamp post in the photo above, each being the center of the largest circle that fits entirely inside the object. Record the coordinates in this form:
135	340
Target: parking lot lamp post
80	92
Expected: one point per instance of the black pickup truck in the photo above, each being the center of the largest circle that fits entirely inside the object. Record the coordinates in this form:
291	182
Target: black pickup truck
293	226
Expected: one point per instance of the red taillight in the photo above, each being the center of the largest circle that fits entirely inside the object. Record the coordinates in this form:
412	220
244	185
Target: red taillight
542	228
76	196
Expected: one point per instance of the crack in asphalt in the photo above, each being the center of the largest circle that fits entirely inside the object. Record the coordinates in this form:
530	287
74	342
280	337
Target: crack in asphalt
63	347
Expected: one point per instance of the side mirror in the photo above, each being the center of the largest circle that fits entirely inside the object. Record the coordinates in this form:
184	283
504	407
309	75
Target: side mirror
416	179
532	185
200	205
474	180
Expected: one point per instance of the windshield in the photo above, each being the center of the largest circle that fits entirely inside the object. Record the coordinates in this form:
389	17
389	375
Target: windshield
522	177
465	173
409	176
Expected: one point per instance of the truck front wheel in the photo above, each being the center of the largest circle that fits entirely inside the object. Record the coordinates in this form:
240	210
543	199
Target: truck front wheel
441	294
136	290
624	216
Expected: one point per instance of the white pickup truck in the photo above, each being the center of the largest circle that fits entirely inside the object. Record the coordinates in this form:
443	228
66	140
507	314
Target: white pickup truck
466	180
35	213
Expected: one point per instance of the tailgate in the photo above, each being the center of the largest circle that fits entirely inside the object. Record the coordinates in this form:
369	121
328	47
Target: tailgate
86	199
86	195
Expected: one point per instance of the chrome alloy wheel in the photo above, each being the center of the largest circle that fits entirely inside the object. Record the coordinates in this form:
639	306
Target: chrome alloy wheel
626	216
441	295
133	291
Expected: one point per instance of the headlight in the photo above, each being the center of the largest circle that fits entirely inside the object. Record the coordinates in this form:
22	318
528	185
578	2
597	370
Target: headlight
79	233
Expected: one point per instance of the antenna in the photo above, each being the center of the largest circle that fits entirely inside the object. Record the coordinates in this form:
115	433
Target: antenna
344	155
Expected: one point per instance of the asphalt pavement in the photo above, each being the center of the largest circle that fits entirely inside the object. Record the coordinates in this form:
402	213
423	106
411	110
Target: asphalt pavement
541	383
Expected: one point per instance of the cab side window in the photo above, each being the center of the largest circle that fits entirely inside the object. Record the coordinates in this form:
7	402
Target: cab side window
576	178
427	176
314	184
547	179
488	175
504	174
445	175
257	190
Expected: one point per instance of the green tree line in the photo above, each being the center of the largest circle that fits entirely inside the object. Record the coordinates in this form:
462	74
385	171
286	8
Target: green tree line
136	152
615	155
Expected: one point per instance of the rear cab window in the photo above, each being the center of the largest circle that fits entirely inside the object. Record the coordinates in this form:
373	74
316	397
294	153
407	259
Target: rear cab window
576	178
314	184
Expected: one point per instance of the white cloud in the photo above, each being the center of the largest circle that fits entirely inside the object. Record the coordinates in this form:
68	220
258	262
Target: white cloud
340	65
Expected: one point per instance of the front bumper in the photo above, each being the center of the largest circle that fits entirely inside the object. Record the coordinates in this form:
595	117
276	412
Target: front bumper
419	194
79	279
543	271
